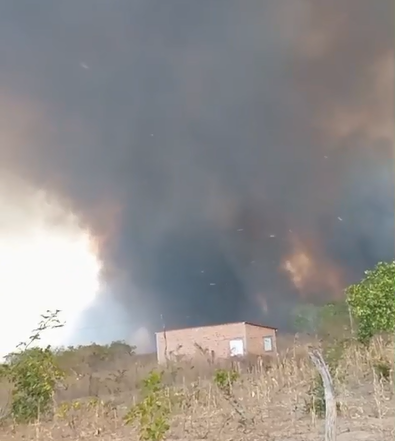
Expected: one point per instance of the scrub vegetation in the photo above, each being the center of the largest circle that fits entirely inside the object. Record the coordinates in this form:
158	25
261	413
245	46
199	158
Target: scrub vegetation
111	393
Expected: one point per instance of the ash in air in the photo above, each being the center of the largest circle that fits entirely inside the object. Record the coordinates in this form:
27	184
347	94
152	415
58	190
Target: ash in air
232	158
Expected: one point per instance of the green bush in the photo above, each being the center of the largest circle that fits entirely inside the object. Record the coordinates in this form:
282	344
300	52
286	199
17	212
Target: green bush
153	412
372	301
225	380
34	374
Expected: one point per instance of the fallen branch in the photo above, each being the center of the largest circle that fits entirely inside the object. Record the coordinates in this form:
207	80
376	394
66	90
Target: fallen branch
330	401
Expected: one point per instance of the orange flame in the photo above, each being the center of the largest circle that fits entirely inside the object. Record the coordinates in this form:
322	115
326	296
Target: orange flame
309	271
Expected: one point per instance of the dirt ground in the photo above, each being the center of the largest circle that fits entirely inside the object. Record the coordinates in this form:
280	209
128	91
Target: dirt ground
210	427
273	400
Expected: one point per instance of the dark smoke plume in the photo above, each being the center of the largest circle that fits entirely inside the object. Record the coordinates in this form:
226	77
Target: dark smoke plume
233	157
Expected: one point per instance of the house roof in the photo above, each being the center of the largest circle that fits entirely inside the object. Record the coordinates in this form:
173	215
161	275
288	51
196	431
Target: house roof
260	325
218	324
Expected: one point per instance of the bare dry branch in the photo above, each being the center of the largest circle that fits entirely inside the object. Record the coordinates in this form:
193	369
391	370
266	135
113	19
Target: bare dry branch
330	400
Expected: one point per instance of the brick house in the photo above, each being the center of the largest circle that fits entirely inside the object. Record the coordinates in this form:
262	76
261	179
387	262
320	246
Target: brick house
218	341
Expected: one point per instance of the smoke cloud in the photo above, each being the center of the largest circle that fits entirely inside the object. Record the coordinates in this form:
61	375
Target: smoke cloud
232	159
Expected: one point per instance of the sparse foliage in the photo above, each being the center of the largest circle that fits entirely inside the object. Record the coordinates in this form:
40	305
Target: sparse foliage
372	301
153	412
383	369
324	320
306	318
34	374
243	401
225	380
315	403
242	392
335	319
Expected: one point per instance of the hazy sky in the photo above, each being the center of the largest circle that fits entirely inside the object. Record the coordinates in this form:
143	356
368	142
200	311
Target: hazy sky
233	157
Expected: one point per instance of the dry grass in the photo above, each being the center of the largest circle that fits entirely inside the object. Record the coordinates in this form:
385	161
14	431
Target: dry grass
272	396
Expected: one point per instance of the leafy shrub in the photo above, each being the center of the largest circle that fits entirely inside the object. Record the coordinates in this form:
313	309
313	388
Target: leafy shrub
153	412
33	374
225	380
372	301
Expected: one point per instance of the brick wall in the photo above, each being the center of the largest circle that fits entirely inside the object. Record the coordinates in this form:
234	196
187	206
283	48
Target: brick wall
213	339
255	339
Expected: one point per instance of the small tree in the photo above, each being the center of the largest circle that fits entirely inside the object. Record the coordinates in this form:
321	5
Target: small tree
34	374
372	301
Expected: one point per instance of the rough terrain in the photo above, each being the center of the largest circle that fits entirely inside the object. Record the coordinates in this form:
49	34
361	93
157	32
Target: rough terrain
272	397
